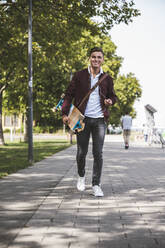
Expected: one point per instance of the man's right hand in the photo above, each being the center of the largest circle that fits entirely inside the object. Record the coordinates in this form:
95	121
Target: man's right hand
65	119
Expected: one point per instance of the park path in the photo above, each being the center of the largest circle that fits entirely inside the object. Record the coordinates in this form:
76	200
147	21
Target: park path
40	206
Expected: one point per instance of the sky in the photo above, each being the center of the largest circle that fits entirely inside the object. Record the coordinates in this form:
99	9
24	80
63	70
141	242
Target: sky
142	46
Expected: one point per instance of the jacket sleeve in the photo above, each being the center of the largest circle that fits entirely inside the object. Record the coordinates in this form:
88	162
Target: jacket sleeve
69	95
112	94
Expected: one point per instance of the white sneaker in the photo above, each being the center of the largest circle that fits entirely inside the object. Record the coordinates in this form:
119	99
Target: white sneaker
81	183
97	191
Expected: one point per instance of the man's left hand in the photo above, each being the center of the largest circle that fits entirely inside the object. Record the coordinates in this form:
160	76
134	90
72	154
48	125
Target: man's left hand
108	102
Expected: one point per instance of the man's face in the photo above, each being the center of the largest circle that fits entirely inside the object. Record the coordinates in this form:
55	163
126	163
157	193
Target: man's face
96	59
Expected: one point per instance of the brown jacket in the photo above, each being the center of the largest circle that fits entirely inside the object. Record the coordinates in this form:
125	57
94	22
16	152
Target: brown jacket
79	87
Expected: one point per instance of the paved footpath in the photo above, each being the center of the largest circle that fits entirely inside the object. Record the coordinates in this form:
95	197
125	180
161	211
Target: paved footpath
40	206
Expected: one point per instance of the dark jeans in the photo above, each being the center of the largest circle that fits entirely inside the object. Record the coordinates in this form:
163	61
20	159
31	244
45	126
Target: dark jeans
96	127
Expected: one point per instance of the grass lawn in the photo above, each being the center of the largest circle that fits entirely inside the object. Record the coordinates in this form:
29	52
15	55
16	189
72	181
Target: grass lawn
14	156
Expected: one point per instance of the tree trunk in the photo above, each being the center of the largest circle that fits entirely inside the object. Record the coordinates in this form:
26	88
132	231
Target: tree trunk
2	142
25	128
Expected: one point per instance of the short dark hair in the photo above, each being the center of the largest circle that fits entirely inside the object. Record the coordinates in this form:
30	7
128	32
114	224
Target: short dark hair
96	49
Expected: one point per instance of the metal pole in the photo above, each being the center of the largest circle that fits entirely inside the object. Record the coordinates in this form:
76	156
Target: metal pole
30	88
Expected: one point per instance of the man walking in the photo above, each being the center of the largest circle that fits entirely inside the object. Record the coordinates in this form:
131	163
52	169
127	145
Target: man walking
96	112
126	123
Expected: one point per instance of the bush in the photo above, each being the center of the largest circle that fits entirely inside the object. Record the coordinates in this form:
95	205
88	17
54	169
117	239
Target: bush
37	129
7	130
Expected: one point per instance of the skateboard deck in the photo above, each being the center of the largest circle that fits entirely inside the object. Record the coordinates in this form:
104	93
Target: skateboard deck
76	120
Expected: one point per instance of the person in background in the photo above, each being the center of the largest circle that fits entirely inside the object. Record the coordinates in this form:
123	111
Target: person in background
145	132
96	112
126	123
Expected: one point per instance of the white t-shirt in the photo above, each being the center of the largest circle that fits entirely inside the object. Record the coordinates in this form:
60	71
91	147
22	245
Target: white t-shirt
93	108
126	122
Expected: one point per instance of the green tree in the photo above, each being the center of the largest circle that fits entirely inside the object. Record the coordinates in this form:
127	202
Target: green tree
57	25
128	90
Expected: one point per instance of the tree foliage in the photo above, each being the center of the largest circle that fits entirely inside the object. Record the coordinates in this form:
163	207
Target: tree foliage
63	32
128	90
